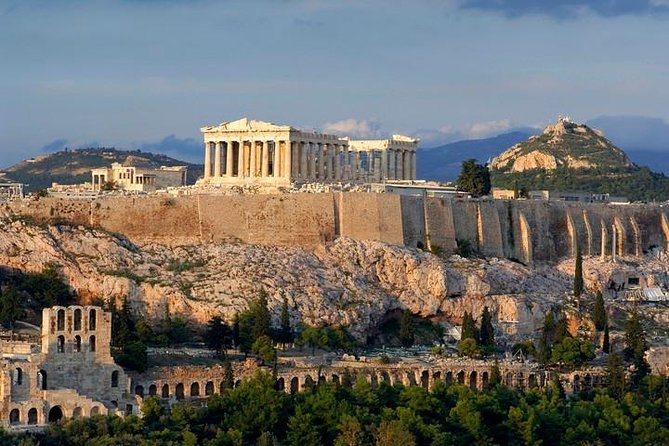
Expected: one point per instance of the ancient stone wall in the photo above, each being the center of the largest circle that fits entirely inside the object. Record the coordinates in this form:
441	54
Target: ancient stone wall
529	231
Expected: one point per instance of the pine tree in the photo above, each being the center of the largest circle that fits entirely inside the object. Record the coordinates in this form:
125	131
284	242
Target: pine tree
495	376
407	336
599	313
578	272
218	334
487	329
636	346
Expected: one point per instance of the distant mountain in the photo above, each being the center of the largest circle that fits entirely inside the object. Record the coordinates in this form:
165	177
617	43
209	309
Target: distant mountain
443	163
634	133
74	166
574	157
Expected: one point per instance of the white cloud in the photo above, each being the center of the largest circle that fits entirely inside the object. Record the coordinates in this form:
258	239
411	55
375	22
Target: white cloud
355	128
487	128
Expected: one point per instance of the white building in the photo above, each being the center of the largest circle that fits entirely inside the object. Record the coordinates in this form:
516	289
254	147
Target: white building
137	178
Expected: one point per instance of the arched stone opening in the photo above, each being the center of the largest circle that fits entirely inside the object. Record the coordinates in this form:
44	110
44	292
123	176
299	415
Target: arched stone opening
485	379
373	380
114	378
165	391
153	390
308	382
77	343
179	391
385	377
195	389
91	343
508	379
532	380
449	377
473	376
60	320
425	379
55	414
321	379
410	378
77	412
436	376
294	384
18	376
95	410
281	384
139	391
209	388
32	416
60	343
461	377
41	380
14	416
335	379
77	319
92	322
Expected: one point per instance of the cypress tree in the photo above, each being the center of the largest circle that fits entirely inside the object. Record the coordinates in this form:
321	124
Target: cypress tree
468	327
261	317
285	330
606	345
599	313
578	273
615	375
407	336
487	330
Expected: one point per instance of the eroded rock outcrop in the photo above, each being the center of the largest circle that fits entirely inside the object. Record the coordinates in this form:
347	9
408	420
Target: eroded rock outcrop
346	282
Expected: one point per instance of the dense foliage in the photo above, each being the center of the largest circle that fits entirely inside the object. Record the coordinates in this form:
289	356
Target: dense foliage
256	413
24	293
474	178
635	183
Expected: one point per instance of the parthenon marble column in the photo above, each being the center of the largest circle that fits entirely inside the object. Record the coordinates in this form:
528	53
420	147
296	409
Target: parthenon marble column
337	162
207	159
288	159
264	146
413	165
303	159
228	158
217	159
240	159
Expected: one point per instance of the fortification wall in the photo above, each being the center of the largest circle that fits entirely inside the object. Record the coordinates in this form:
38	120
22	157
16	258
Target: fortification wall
526	230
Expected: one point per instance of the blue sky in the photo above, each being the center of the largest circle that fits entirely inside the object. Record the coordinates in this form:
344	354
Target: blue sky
135	73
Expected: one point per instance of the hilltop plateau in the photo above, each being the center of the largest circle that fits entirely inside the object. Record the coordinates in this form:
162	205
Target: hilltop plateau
573	157
74	166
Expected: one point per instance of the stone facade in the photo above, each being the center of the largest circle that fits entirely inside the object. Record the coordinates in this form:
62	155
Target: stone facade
256	152
137	178
72	373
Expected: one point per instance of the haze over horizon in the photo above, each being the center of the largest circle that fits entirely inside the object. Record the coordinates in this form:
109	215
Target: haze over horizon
147	74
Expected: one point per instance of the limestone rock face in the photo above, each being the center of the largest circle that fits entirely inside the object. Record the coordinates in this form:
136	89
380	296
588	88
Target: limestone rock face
346	282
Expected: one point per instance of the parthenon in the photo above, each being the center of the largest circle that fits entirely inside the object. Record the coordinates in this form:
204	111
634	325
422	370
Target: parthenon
256	152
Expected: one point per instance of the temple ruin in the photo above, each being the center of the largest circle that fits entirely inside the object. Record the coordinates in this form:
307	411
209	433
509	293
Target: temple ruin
256	152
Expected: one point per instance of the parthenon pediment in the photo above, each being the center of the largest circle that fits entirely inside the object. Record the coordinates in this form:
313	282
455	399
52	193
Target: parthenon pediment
245	125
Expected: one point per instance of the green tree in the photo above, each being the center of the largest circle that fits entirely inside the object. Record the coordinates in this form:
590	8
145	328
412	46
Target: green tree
10	307
261	317
474	178
636	346
285	332
572	351
218	335
578	272
495	376
133	356
599	313
487	330
264	349
393	433
406	329
615	375
606	343
469	327
228	375
467	347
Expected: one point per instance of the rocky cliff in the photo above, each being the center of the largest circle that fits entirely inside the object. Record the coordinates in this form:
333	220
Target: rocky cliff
345	282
